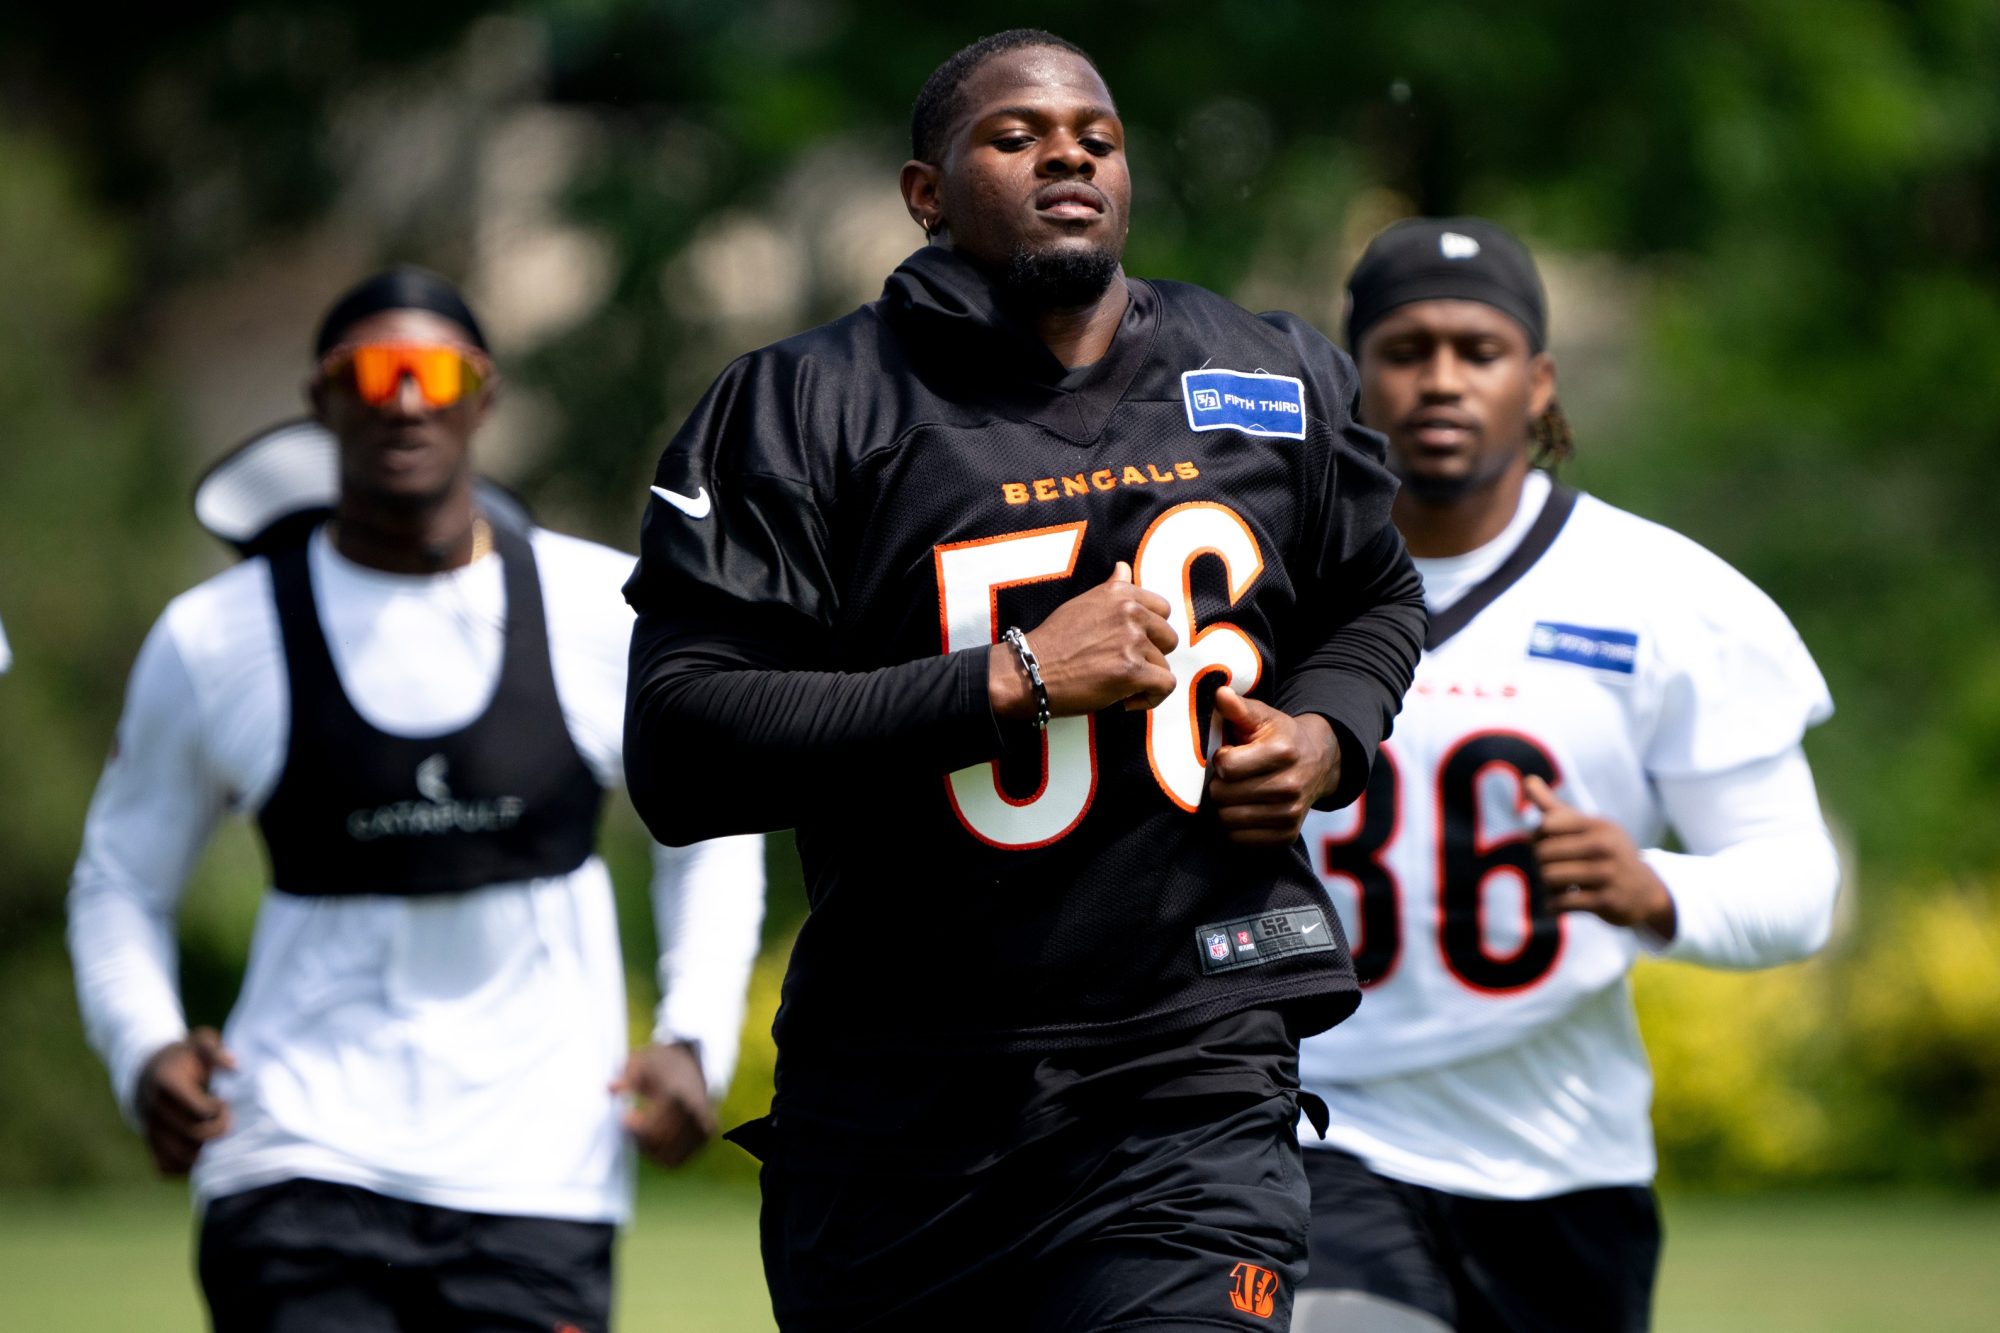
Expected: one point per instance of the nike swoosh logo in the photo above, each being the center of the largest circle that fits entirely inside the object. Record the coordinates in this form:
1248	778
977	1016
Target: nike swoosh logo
694	506
1307	930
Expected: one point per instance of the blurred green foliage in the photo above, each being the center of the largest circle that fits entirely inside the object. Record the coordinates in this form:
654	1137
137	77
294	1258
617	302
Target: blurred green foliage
1801	199
1882	1064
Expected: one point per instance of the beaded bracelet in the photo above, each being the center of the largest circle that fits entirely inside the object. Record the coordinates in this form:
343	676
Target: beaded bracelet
1034	670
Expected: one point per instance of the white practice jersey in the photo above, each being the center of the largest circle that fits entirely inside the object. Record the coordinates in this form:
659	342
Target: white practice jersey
453	1048
6	653
1495	1052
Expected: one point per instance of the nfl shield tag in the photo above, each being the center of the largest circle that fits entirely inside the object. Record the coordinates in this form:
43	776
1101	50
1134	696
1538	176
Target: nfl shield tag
1225	946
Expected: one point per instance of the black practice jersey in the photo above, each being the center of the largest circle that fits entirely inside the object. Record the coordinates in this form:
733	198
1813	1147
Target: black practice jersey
842	530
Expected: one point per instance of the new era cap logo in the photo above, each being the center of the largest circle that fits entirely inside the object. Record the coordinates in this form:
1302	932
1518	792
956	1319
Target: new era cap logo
1452	245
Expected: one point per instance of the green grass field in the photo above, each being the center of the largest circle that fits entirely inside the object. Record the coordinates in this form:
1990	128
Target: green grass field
119	1263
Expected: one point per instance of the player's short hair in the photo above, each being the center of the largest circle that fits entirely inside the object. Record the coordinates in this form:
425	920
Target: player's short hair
940	102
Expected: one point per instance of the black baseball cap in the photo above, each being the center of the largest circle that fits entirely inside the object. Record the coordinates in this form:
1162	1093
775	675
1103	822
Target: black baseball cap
1446	259
404	287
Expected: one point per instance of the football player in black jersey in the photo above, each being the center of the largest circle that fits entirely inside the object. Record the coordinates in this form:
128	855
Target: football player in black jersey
1043	602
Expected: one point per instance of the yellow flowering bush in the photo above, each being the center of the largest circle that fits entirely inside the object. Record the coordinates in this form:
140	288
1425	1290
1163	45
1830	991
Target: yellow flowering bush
1879	1062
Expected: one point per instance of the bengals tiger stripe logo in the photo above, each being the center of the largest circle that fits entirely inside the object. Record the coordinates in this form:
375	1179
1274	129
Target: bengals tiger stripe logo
1253	1290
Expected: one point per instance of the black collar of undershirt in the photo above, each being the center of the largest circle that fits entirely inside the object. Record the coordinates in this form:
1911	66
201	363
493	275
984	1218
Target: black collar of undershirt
1541	535
955	326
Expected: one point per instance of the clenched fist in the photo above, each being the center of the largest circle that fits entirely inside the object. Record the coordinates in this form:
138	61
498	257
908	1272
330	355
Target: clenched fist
1590	864
176	1109
1271	771
671	1117
1102	647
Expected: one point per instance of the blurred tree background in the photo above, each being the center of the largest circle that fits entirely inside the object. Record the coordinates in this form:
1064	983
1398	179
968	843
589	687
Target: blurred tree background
1771	229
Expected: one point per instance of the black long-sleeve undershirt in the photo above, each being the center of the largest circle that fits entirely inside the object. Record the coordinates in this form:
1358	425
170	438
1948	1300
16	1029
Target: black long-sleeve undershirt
726	734
723	736
1357	674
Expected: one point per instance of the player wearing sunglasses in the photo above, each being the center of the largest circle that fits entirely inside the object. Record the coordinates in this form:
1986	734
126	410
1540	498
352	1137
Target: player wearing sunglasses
414	1117
403	388
443	372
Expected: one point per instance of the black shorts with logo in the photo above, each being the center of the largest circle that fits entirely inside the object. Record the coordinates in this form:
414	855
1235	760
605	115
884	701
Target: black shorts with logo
1583	1261
1154	1184
308	1256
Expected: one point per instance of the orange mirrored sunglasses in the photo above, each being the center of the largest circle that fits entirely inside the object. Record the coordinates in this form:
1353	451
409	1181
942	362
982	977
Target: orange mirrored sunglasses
444	372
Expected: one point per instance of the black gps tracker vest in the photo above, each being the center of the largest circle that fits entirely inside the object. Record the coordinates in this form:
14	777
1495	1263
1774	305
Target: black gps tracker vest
357	811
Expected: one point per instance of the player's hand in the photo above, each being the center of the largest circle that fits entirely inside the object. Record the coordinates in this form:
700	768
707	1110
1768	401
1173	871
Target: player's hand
672	1116
176	1109
1102	647
1590	864
1270	770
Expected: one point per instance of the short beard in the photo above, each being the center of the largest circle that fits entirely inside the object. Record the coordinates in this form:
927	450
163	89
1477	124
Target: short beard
1058	278
1439	491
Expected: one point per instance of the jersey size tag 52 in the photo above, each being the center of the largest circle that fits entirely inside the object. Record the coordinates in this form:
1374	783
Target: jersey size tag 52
1228	945
1250	401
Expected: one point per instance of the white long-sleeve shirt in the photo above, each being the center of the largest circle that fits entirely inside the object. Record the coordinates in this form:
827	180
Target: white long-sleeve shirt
1495	1052
453	1049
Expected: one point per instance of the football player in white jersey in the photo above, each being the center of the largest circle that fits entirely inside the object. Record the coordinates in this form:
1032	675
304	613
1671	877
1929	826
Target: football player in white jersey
1591	682
416	1114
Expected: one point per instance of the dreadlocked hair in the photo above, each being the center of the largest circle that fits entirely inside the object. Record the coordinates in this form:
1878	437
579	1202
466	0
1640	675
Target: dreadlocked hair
1554	444
940	103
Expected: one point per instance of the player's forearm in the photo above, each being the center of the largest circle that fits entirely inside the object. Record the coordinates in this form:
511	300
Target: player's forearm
1757	905
156	803
1356	681
708	908
123	953
713	749
1757	885
1357	675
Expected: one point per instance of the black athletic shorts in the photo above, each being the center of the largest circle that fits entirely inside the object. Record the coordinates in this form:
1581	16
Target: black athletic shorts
1154	1185
307	1256
1583	1261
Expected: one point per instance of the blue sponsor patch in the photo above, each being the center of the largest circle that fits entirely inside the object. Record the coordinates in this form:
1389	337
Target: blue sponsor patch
1254	403
1605	649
